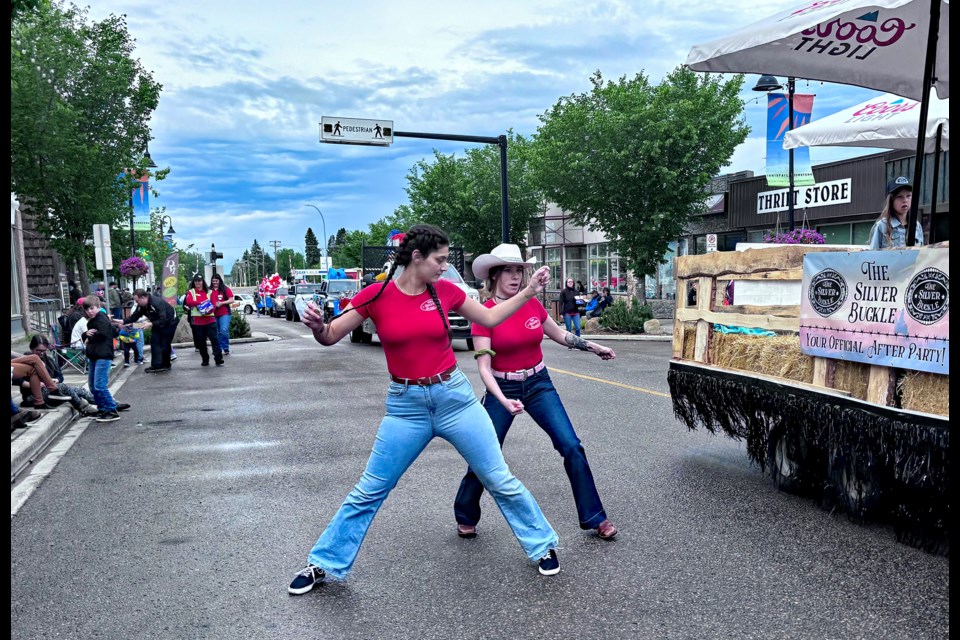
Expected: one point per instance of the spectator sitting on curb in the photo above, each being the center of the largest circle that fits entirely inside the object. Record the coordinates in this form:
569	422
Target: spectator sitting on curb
603	302
32	370
80	399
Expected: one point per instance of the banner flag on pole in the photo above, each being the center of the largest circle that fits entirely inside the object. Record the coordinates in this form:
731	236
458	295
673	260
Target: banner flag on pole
169	280
778	158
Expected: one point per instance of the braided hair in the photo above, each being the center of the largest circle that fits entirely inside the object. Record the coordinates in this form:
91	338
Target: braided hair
425	238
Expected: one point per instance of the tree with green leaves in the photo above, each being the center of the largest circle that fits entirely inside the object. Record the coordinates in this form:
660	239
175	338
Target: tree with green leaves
462	195
634	160
311	249
80	108
348	253
288	259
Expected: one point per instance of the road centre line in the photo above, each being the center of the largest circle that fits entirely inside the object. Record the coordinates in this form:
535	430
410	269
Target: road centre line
616	384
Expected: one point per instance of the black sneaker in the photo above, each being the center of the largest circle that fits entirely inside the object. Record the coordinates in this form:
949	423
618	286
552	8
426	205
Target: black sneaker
31	416
122	406
549	564
112	416
156	369
220	364
57	395
204	364
306	580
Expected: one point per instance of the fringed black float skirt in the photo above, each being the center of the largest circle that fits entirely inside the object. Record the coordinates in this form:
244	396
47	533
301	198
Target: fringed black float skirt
904	453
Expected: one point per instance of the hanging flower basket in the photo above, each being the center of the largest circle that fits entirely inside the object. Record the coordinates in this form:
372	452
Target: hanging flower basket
133	267
797	236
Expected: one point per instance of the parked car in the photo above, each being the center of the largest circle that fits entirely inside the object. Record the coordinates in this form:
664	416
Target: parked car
278	301
244	302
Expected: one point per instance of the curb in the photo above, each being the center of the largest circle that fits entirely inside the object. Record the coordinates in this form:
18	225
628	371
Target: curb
38	436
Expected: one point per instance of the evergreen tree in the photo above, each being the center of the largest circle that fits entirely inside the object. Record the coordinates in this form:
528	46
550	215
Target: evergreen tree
312	249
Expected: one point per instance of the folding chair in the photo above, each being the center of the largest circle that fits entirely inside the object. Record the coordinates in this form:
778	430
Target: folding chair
68	356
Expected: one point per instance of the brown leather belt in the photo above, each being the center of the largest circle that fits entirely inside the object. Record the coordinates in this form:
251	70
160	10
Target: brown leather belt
425	382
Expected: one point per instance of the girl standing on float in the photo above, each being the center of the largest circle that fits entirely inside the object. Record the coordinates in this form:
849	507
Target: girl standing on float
511	366
428	397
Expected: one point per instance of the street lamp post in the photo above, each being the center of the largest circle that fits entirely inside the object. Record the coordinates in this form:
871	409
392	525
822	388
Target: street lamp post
767	84
168	236
133	241
325	256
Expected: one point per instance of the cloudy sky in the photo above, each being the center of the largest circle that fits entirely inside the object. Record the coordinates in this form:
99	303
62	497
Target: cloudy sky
245	84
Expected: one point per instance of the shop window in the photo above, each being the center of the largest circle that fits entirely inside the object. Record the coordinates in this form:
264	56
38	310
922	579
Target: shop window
728	241
835	233
701	245
552	260
576	264
861	232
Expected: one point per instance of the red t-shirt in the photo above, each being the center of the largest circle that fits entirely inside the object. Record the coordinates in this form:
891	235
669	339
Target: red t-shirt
194	299
410	328
516	340
215	298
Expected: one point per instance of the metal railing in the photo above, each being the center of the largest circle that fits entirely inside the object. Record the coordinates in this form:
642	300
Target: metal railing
43	314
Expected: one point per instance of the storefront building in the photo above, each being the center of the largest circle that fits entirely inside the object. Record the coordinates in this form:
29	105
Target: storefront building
843	204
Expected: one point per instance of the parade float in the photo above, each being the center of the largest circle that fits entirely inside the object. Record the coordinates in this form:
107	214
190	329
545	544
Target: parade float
833	366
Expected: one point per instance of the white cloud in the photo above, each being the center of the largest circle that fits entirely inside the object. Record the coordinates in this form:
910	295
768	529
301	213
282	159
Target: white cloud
245	87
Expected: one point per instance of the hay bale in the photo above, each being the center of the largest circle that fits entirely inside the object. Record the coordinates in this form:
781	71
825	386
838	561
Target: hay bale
689	339
853	377
778	356
927	392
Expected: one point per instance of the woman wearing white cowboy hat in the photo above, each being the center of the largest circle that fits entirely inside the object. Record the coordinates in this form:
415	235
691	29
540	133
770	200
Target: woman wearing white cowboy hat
511	366
429	397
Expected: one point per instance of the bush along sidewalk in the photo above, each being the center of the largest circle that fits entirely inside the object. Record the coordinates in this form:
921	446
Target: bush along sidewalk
620	317
239	327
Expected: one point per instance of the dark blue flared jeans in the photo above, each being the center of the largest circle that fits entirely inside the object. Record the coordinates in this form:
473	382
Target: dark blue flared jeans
541	401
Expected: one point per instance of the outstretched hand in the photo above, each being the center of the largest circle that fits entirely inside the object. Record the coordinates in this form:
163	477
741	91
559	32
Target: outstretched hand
540	279
312	317
606	353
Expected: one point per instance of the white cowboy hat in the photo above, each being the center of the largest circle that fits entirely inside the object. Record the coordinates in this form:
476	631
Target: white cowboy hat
502	254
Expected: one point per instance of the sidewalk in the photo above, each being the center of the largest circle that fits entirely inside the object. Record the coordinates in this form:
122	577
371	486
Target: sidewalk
28	443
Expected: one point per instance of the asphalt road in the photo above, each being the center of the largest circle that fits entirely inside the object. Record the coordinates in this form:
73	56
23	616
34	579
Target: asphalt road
189	517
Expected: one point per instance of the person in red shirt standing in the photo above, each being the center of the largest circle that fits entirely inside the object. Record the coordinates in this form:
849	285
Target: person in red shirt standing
428	397
222	298
511	366
197	301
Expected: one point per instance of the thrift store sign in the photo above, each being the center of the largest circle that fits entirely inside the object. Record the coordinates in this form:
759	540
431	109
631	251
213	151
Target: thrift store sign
889	308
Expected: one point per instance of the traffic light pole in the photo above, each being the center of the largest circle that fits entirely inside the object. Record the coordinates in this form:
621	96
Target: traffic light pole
500	141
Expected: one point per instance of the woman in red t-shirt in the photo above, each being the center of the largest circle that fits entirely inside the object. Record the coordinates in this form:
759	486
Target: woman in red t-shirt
222	298
197	302
428	397
511	367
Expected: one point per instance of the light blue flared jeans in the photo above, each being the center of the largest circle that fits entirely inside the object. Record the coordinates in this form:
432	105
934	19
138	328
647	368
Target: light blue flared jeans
415	415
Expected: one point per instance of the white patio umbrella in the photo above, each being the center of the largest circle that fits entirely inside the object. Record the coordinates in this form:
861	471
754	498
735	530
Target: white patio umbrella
888	122
900	46
877	44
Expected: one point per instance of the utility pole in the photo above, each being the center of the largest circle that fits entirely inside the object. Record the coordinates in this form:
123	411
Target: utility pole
276	243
